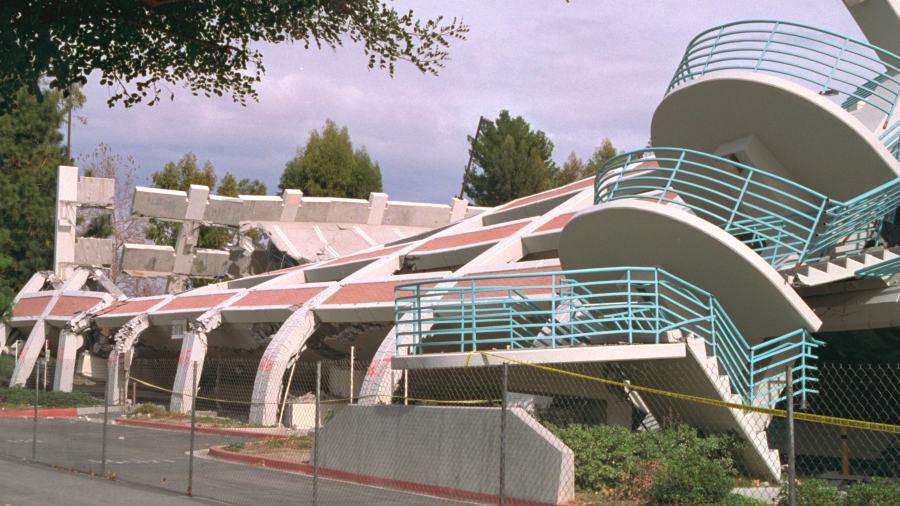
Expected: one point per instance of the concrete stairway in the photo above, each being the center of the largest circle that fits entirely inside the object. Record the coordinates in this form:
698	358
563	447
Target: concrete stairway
698	375
829	271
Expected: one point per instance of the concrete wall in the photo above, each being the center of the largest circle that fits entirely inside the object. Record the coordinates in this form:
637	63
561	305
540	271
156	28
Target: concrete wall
449	447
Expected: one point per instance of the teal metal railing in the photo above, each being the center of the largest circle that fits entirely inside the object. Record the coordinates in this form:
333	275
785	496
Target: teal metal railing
824	61
782	221
633	305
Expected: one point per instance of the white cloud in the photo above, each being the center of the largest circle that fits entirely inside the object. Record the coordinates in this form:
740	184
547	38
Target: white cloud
580	71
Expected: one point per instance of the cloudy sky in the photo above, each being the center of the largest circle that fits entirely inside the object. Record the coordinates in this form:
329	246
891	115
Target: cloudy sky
579	71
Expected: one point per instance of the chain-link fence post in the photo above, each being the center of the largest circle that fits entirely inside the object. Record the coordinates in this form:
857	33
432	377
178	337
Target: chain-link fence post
105	422
316	440
37	384
503	434
190	489
792	467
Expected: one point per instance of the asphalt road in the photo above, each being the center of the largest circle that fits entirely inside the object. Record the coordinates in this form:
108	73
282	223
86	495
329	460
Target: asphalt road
159	459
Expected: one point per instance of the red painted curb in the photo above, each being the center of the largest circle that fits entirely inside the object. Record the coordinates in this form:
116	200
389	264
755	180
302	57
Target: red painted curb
60	412
202	430
445	492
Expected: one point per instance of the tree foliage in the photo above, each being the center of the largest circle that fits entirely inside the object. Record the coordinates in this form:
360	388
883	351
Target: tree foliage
30	152
229	186
180	176
212	47
328	166
575	168
515	162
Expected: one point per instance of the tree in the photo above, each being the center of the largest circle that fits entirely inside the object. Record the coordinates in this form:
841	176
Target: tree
514	160
180	176
139	46
328	166
572	170
231	187
605	152
30	152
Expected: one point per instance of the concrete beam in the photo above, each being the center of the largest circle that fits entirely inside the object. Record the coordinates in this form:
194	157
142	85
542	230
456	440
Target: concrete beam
579	354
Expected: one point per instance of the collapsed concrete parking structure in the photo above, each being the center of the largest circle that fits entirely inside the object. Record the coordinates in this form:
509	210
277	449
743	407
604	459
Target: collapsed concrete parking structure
768	206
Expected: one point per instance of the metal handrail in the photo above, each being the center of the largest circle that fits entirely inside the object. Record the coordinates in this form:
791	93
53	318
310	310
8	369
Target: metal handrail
826	62
781	220
637	305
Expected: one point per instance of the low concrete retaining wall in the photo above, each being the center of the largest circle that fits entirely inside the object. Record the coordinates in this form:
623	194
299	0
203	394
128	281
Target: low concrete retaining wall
450	449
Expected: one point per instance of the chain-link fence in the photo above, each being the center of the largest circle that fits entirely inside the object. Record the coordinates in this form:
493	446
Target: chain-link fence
643	432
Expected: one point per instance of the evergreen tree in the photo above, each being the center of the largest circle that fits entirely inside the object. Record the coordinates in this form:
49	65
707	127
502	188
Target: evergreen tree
328	166
30	152
514	160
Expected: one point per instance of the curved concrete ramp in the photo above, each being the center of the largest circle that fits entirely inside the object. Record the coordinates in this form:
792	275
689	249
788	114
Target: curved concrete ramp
820	145
642	234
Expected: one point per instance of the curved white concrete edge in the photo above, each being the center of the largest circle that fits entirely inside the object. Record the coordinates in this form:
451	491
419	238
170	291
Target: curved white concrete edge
675	125
642	234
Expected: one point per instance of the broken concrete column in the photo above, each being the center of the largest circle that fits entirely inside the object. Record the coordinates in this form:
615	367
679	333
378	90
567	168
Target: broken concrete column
377	205
286	343
193	351
458	209
291	203
66	357
66	209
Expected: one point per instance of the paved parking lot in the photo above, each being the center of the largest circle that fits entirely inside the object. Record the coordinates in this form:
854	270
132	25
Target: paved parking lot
159	459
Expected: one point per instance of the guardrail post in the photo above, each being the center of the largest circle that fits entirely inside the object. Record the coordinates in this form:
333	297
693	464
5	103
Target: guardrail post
190	490
792	469
315	487
105	422
37	384
503	434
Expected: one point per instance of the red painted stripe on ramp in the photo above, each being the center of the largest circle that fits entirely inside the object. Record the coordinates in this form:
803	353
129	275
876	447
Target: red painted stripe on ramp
60	412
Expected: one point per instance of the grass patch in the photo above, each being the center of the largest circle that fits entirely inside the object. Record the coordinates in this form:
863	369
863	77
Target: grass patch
293	443
19	397
234	447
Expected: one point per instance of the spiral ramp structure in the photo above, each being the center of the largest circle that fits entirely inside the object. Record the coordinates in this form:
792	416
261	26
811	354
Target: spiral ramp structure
776	169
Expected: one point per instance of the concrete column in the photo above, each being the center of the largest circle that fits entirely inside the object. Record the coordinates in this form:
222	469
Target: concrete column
458	209
184	247
66	356
193	351
291	203
377	206
285	344
29	354
66	206
5	331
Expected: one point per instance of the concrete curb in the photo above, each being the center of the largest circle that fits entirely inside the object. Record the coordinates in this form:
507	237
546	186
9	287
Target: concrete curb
202	430
60	412
419	488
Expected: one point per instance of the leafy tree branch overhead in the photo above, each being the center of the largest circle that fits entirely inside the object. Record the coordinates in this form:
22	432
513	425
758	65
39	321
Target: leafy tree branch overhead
210	46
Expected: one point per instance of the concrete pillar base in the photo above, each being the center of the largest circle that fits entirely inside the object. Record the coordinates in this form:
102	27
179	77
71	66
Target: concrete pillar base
193	351
66	357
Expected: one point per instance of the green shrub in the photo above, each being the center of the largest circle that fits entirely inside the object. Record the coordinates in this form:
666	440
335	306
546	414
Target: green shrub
691	479
740	500
24	397
234	447
813	493
880	492
614	458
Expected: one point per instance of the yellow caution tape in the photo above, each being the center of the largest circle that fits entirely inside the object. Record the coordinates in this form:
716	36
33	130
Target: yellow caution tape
803	417
162	389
